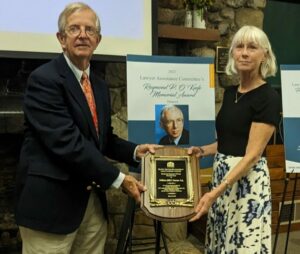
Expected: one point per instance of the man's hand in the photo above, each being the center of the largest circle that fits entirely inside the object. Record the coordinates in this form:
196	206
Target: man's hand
133	188
144	148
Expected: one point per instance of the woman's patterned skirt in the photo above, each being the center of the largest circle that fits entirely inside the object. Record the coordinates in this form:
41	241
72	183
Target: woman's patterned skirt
240	219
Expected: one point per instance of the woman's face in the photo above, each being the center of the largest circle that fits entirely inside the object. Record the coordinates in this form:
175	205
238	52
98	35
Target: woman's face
248	57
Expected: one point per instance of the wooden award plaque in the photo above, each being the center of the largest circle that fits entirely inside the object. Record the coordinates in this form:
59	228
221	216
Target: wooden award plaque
173	186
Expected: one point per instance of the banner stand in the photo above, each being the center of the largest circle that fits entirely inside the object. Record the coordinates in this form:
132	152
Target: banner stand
125	235
286	182
290	88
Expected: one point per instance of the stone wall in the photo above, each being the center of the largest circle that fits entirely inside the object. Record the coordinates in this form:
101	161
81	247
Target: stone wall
225	15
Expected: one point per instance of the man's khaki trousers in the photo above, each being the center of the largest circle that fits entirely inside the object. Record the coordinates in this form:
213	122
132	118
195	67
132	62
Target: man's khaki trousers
89	238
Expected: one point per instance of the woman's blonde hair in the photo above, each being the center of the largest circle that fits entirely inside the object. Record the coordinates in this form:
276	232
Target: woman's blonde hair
253	34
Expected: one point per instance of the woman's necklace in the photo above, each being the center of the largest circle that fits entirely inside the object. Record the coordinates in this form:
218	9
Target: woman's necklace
238	98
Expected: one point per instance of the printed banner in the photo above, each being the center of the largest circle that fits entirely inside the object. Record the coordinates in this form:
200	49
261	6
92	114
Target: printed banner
183	86
290	87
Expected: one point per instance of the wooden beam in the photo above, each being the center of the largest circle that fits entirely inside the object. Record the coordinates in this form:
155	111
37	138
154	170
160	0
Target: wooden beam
187	33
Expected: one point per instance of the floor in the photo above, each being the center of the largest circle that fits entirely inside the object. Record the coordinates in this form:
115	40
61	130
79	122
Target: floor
293	243
293	246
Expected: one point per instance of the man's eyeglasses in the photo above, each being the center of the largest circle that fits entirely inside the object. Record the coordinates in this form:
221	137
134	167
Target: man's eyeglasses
75	30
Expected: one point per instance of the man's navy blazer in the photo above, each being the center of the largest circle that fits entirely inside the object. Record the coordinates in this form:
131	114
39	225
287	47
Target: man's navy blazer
62	153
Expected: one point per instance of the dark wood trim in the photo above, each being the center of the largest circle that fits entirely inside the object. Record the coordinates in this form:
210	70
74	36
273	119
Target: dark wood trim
187	33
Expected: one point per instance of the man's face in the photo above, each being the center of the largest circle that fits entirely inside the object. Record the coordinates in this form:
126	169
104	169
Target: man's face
80	38
173	123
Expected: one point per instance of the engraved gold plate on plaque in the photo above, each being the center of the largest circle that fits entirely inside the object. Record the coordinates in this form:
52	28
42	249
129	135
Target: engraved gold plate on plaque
171	181
173	185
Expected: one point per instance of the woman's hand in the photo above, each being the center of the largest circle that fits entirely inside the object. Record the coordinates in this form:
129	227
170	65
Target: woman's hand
196	150
204	204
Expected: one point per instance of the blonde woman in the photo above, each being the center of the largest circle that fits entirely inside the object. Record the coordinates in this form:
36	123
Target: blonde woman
239	203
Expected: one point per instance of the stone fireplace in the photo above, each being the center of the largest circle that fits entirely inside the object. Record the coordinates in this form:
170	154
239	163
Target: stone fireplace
12	84
9	151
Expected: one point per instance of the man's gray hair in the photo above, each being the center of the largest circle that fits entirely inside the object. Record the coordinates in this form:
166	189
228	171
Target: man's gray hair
69	10
168	108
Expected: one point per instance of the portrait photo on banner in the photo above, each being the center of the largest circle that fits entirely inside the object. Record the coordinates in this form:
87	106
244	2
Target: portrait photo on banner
172	124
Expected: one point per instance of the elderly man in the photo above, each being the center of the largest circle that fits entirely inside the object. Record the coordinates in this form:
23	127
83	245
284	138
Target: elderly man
64	172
